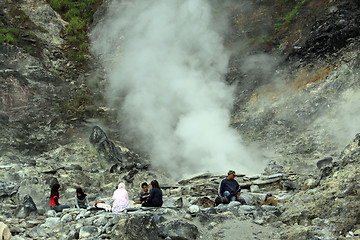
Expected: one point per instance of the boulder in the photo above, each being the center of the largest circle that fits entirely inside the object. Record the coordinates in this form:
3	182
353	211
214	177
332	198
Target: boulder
27	207
8	188
89	232
179	230
109	154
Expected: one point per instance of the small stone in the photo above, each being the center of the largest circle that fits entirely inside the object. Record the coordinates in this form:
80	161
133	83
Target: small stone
194	209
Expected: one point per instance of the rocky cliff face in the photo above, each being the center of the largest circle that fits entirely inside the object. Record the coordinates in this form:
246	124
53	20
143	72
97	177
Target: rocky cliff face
295	68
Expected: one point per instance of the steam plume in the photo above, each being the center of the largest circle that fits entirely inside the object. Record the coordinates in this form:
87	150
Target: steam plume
166	63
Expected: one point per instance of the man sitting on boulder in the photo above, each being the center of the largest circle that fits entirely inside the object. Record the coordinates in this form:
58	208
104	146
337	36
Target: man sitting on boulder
144	194
229	187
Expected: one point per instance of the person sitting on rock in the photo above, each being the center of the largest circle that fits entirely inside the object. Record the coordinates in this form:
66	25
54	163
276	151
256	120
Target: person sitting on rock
81	199
270	200
54	199
155	198
144	194
121	199
229	188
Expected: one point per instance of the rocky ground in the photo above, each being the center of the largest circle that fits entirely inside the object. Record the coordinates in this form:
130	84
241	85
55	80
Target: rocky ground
297	116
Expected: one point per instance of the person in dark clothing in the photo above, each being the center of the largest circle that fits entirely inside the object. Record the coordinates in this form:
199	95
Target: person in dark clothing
143	195
155	198
54	199
229	187
81	199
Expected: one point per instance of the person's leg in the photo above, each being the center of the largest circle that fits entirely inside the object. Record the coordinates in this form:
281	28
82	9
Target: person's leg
232	198
83	206
59	208
147	204
227	196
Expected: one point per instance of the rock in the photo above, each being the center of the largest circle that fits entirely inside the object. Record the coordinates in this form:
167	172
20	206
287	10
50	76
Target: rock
27	207
273	168
8	188
51	222
247	208
179	230
109	154
4	118
324	162
193	209
271	209
66	218
101	221
143	226
254	188
50	213
89	232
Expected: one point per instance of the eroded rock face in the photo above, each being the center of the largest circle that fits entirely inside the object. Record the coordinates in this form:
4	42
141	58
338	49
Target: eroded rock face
331	33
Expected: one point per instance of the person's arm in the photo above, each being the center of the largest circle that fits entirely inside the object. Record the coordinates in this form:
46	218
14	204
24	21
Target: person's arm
221	188
151	197
238	191
86	201
56	200
76	201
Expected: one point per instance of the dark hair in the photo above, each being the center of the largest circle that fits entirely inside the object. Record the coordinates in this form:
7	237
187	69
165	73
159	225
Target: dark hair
82	194
268	195
144	184
155	184
55	190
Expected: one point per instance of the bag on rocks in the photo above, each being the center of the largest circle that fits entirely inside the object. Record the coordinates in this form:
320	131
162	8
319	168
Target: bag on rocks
219	200
103	205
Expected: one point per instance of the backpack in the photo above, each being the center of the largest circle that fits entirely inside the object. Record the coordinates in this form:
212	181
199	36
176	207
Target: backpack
219	200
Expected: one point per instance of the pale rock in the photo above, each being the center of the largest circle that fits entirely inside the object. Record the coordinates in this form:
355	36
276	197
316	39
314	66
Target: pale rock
254	188
194	209
67	218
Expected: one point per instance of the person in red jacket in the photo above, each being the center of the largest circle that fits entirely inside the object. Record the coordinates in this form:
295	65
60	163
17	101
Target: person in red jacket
54	199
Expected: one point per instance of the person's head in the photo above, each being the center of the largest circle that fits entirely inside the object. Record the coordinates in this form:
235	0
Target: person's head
145	186
268	195
155	184
80	193
231	174
121	185
55	190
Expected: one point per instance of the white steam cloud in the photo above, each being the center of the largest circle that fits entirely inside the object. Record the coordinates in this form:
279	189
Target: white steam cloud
166	62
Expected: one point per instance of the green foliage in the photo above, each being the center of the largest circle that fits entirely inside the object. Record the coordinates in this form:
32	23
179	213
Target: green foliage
8	35
31	33
262	39
290	16
78	105
76	26
27	49
83	47
79	14
81	57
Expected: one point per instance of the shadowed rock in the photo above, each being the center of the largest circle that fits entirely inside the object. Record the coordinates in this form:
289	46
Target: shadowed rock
109	154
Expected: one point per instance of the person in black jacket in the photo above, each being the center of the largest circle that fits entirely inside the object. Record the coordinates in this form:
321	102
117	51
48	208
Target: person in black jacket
155	198
229	187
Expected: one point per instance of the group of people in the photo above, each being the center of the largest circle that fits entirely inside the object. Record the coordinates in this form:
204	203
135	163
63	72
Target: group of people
229	190
120	196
